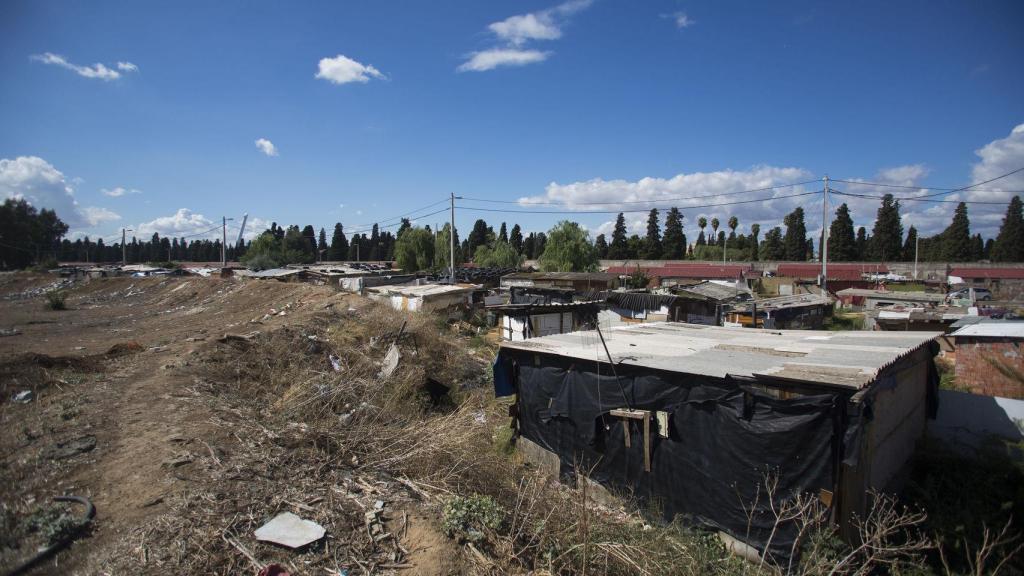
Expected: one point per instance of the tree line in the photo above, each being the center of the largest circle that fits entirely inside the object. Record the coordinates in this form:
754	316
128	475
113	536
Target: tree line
28	236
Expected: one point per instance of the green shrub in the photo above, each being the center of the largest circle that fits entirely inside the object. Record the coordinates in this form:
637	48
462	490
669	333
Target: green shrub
467	518
56	300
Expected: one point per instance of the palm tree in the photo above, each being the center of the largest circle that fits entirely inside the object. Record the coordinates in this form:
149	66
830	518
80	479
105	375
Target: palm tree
714	230
733	223
702	222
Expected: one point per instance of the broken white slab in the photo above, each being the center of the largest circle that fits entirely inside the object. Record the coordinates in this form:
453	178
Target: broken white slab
289	530
390	362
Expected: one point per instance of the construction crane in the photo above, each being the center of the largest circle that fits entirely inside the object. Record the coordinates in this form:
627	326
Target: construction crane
241	230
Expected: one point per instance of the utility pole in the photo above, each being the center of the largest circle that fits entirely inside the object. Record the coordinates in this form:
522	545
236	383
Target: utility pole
224	241
917	243
824	238
451	242
124	252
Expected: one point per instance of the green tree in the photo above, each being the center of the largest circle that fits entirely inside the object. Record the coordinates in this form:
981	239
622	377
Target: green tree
795	241
264	252
405	225
414	250
862	243
702	223
503	234
442	248
568	249
714	232
842	245
601	245
887	235
910	246
321	245
956	239
1009	243
515	238
733	223
652	242
619	249
674	242
477	236
773	248
755	230
502	255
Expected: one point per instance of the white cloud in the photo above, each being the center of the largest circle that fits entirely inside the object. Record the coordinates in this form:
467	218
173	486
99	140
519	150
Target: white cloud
342	70
266	146
95	71
519	29
96	216
515	31
997	158
196	226
43	186
495	57
119	191
681	19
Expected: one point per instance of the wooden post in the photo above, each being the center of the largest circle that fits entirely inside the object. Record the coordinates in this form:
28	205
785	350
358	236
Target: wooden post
644	416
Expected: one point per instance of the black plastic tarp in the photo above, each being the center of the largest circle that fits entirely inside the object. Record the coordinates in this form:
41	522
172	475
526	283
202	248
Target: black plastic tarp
724	438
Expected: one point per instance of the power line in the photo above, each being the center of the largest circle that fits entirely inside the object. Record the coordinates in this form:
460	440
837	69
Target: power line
656	201
881	185
919	199
398	223
961	189
733	203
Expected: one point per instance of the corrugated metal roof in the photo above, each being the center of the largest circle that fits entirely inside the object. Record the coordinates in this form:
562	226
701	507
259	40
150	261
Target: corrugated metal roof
841	359
275	273
890	295
714	291
993	273
992	330
424	290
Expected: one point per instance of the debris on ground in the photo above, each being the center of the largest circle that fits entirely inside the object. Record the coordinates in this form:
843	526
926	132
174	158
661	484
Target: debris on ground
9	331
72	447
289	530
23	397
335	362
390	363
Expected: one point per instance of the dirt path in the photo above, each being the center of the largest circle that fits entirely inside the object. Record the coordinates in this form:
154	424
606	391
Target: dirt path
160	438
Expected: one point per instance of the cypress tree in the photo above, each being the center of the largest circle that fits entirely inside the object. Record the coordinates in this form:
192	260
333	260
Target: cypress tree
956	239
887	235
674	243
795	241
619	248
601	245
1009	243
755	229
774	248
910	246
503	234
515	238
652	242
862	243
842	245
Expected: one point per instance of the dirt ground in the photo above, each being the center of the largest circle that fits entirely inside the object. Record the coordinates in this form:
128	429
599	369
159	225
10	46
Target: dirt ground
122	415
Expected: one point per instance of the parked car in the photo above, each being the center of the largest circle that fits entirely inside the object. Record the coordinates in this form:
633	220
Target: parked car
980	294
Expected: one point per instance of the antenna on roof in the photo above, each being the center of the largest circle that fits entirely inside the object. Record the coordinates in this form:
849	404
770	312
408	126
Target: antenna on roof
614	371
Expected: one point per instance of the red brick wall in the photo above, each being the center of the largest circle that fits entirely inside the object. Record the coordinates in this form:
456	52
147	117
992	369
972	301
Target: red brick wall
990	366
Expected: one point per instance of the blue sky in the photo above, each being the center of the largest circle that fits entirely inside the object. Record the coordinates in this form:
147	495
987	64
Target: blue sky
377	108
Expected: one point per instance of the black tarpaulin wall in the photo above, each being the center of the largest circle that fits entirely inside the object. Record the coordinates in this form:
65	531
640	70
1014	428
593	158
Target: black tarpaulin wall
723	440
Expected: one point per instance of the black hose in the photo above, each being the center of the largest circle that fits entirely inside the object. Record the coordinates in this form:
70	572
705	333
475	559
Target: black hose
43	554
